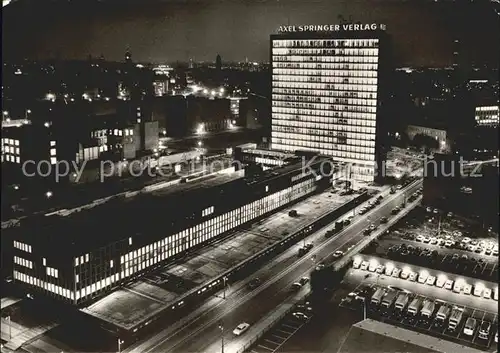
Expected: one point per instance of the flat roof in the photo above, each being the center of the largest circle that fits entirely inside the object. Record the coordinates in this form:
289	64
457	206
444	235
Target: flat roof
119	214
136	303
370	336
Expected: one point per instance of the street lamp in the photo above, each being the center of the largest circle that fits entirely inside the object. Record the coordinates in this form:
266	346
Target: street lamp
364	308
221	327
48	194
200	143
120	342
10	327
224	280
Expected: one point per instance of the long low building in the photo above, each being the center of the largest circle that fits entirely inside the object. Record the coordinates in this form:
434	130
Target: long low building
86	255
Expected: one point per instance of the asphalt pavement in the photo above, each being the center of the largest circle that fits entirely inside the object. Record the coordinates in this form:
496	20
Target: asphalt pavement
203	334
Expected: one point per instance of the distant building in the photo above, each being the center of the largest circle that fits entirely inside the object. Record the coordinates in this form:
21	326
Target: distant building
440	135
234	103
218	63
328	95
109	245
487	116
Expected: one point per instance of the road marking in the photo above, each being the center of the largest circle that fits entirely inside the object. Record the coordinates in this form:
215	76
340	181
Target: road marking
286	332
293	328
281	338
272	342
269	349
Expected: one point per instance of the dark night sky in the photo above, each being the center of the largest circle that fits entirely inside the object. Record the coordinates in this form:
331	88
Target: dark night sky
163	31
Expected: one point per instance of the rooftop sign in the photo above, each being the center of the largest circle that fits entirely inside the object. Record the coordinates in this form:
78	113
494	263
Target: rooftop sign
332	28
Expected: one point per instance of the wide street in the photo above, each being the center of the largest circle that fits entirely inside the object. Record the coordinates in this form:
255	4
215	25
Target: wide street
202	332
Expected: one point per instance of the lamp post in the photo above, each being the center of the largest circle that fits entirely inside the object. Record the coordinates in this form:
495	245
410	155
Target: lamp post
224	279
120	342
364	308
10	327
221	327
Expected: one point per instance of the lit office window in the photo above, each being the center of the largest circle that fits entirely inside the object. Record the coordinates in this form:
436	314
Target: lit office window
53	160
44	261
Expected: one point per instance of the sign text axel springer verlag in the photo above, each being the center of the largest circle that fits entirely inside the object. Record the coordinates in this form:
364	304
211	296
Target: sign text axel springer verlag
332	28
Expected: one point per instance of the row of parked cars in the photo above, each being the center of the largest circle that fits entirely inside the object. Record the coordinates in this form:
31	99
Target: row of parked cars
425	278
404	304
466	243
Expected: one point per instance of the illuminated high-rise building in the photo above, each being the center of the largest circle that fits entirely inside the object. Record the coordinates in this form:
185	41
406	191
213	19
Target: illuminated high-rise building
328	93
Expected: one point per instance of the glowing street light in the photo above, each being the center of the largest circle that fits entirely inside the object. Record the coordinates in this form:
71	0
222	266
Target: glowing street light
205	91
212	93
200	143
221	90
48	194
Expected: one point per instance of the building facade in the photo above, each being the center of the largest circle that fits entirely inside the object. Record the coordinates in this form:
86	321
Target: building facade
102	251
327	94
487	116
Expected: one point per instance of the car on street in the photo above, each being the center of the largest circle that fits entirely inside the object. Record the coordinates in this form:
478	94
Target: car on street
484	330
380	269
420	238
384	220
308	246
304	280
295	286
367	231
428	209
413	276
241	328
364	265
467	289
373	227
300	316
338	254
254	283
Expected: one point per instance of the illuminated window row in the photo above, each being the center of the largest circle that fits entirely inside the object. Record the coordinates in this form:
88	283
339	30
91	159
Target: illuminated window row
325	100
321	106
316	135
339	67
303	113
146	256
207	211
329	88
325	150
12	159
292	77
9	141
11	149
325	72
23	262
355	125
82	259
58	290
309	90
329	42
341	142
315	51
327	59
22	246
52	272
360	133
268	161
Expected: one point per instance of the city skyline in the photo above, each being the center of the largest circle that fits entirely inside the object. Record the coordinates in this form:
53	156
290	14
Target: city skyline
423	33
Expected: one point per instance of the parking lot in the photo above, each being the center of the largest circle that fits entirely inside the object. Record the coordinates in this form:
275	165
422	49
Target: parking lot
419	322
431	239
276	337
436	257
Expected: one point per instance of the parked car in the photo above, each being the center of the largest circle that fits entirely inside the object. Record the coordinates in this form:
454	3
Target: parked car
304	280
300	316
